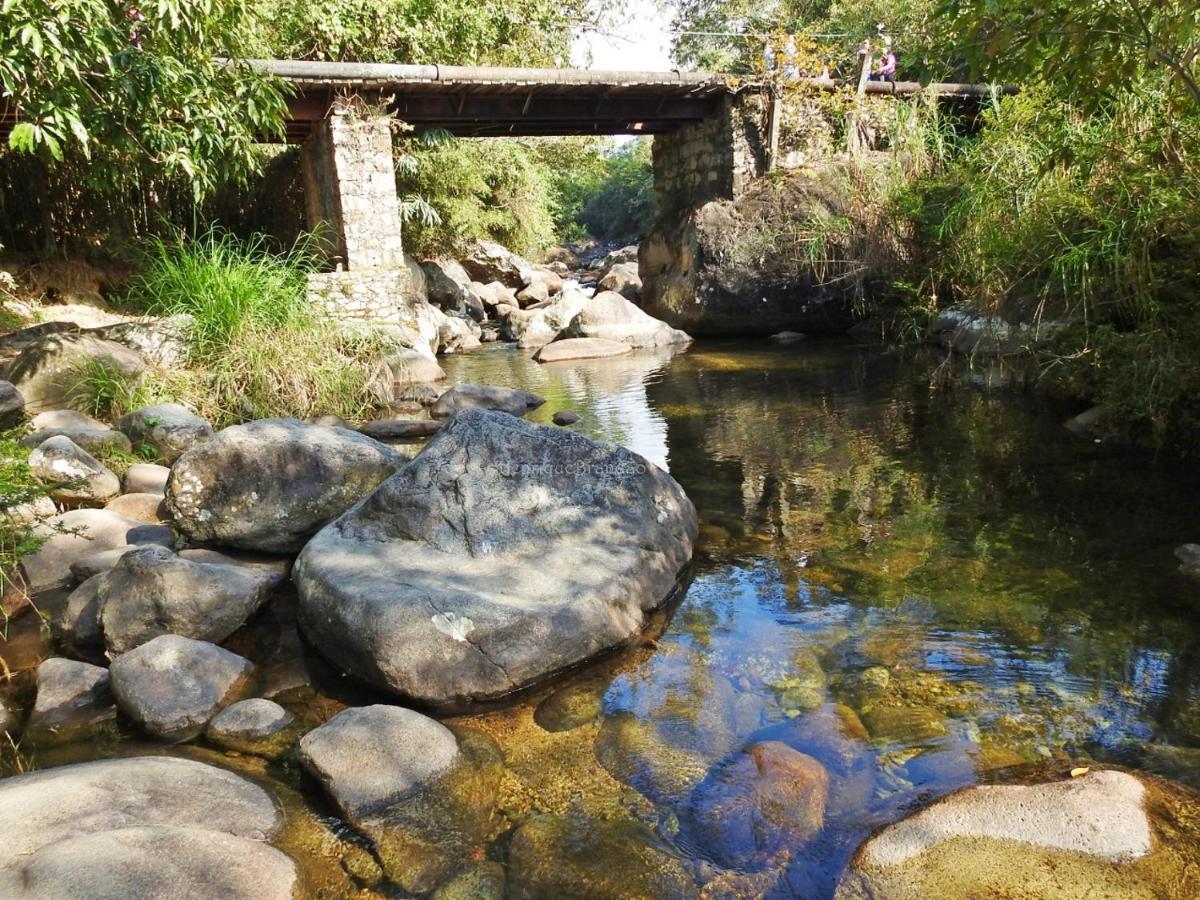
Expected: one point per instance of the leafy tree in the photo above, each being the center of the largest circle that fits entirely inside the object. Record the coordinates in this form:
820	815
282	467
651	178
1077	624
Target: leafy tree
115	83
1094	48
623	204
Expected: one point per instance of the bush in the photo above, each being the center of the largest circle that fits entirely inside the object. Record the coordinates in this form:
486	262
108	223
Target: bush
17	488
622	204
256	348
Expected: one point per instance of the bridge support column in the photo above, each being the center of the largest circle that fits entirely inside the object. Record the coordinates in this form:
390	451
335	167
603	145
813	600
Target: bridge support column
713	159
352	205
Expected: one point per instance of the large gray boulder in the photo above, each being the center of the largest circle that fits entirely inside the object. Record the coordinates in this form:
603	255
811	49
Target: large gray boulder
73	698
140	828
48	370
80	533
369	757
447	284
473	396
488	261
271	484
90	434
167	427
76	477
624	279
151	591
1091	836
611	317
425	588
172	686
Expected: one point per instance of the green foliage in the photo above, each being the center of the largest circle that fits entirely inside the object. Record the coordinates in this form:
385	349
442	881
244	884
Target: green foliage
493	32
622	203
17	488
105	392
257	348
1096	48
81	86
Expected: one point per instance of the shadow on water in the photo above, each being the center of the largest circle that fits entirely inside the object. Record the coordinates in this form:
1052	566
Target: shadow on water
918	591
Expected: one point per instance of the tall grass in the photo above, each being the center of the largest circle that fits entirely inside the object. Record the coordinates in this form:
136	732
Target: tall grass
255	346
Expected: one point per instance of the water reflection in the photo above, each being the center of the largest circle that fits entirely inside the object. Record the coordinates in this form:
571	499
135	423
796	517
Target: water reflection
916	592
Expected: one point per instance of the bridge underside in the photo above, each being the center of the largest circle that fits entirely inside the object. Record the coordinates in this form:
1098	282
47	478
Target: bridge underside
496	102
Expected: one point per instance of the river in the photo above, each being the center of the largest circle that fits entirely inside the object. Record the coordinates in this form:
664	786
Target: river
921	590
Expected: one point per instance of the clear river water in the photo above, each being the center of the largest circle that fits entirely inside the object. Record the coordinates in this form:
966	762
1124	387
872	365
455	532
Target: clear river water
920	590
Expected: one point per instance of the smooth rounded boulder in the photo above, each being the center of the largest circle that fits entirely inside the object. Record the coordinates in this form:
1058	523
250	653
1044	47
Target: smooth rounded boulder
1104	834
140	828
611	317
271	484
474	396
73	698
501	554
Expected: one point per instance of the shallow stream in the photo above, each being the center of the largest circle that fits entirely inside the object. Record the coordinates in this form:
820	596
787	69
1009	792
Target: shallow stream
920	591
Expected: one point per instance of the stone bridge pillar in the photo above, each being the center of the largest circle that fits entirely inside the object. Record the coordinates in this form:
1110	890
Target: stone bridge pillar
352	205
713	159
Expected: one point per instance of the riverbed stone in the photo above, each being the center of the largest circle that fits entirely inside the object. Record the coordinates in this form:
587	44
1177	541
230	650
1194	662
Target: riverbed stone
765	799
488	261
565	417
271	484
73	699
563	855
256	726
76	477
12	404
90	434
580	348
149	508
623	278
47	370
167	427
140	828
611	317
387	430
172	686
1078	837
424	588
473	396
904	724
146	478
572	706
481	881
151	591
367	758
447	284
80	533
1189	559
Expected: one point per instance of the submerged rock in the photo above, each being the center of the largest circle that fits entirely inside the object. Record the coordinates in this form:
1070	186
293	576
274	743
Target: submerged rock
366	758
472	396
271	484
572	706
482	881
567	856
79	479
167	427
425	589
565	417
73	699
172	686
1084	837
764	800
257	726
424	795
151	591
140	828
